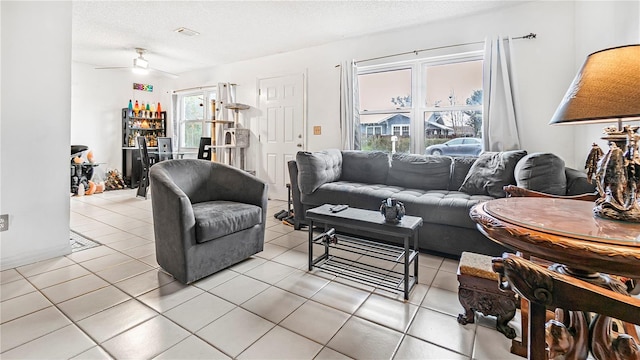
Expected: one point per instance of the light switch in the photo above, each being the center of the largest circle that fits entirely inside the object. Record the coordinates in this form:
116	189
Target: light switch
317	130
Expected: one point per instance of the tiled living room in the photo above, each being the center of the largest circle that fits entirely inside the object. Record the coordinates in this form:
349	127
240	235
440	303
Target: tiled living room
67	78
112	301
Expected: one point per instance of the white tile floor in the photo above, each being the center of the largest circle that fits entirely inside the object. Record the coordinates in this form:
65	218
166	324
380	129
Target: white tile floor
112	301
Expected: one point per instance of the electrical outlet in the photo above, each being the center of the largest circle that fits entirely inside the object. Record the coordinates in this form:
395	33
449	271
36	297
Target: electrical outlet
4	222
317	130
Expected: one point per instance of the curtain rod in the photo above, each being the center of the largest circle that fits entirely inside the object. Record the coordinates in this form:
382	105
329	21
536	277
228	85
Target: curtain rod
199	88
530	36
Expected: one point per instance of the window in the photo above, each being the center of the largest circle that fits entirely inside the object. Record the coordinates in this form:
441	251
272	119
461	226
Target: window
385	100
401	130
193	113
373	130
453	101
449	89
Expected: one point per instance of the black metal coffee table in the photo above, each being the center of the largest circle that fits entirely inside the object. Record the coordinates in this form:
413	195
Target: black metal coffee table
372	223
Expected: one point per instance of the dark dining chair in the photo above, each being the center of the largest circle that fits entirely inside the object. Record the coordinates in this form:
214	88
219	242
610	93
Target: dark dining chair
145	163
203	152
165	149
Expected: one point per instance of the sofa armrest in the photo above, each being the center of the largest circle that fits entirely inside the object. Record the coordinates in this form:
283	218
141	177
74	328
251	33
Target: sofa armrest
298	212
577	182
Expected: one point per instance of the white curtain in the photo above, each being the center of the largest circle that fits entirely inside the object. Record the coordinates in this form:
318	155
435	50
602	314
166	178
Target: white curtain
349	105
174	123
499	128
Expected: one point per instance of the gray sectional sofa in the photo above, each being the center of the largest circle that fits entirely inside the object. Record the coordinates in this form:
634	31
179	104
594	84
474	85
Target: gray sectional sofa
440	189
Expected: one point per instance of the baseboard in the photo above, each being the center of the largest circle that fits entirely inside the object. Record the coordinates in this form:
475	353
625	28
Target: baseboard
31	257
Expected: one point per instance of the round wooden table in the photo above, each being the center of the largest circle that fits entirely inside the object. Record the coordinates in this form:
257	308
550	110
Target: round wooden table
565	232
562	231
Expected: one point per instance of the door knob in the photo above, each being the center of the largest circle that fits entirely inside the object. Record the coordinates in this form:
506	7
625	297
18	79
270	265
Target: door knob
299	145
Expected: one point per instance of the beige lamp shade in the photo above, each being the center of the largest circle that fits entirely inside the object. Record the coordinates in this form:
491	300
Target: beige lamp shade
606	88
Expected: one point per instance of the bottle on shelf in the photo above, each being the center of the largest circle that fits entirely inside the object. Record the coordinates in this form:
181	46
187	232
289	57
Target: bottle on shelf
136	108
130	108
159	111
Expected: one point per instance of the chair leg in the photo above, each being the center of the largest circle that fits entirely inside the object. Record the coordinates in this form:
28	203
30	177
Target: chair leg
143	186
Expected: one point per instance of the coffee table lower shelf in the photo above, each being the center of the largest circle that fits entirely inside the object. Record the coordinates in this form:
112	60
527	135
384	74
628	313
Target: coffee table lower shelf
368	274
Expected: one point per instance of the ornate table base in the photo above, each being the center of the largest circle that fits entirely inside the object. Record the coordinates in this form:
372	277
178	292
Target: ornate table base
573	333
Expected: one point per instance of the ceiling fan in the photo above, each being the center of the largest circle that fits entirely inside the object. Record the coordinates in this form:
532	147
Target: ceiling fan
140	65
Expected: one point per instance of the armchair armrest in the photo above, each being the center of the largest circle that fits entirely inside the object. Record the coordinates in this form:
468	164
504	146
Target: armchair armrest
516	191
173	216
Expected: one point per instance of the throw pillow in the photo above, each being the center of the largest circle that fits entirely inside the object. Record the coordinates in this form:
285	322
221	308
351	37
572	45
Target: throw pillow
491	172
369	167
425	172
542	172
317	168
461	166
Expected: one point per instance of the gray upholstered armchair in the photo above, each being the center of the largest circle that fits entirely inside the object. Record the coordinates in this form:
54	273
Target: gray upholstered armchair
206	215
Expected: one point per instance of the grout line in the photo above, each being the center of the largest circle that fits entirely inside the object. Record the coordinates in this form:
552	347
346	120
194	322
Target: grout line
275	228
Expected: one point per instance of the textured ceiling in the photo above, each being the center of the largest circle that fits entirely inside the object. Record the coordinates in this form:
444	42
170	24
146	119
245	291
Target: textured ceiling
105	33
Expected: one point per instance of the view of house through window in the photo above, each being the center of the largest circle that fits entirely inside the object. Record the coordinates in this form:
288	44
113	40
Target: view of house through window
422	103
194	110
385	108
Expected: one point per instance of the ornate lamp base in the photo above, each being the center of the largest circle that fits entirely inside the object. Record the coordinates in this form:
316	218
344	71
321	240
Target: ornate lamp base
609	211
617	175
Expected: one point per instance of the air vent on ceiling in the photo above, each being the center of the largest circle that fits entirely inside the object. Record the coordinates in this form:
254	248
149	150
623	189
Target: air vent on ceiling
185	31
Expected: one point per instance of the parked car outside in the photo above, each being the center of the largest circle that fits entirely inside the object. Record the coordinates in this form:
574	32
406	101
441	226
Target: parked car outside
457	147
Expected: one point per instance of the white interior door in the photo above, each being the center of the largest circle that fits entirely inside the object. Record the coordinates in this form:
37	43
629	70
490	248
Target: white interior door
282	125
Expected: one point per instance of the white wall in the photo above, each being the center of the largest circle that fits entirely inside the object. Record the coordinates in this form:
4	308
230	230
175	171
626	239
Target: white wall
36	107
543	67
97	96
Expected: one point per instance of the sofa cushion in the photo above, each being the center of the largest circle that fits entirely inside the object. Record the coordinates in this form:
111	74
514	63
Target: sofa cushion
215	219
440	206
425	172
317	168
460	169
369	167
542	172
355	194
491	172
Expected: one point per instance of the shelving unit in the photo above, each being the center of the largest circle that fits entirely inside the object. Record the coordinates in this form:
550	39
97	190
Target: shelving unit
228	139
132	126
360	271
149	127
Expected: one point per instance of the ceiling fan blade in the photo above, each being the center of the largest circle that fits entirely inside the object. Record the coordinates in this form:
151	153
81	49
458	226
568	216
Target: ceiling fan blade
171	75
112	67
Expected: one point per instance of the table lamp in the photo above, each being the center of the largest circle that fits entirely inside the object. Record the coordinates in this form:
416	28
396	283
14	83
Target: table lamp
607	89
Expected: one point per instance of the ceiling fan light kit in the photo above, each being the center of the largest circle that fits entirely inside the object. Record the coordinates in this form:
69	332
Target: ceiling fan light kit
140	65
